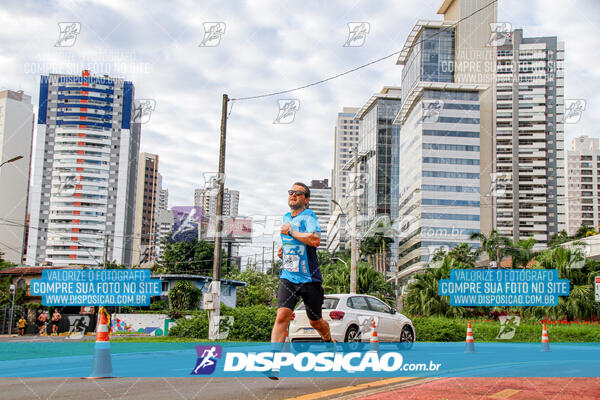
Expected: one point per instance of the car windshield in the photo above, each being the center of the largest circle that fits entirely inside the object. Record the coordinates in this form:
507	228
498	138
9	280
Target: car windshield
329	303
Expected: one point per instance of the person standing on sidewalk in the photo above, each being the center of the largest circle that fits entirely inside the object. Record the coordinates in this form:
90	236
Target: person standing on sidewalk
56	317
21	324
300	276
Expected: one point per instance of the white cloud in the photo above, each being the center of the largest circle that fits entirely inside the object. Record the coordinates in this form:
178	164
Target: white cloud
268	46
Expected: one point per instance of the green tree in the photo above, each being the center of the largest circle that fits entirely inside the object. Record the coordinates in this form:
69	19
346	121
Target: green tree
585	231
559	238
494	244
522	252
461	253
193	256
336	279
422	296
260	289
184	296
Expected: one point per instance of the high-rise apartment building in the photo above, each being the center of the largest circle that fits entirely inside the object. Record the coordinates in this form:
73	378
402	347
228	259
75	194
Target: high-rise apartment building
207	199
16	135
582	165
85	165
320	204
145	209
530	137
446	141
378	146
346	138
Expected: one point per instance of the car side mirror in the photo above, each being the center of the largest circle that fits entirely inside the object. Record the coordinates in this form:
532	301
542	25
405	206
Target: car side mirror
393	311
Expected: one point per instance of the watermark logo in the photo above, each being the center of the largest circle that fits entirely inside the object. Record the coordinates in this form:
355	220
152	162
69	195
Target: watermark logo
357	34
432	110
573	110
66	187
207	359
501	33
213	31
579	254
356	182
500	183
68	34
143	109
212	182
508	326
287	111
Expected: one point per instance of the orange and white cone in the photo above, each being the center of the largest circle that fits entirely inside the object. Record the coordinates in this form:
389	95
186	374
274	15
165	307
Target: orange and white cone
102	364
545	341
374	341
470	342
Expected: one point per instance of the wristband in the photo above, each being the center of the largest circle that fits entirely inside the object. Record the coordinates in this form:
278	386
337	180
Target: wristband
290	232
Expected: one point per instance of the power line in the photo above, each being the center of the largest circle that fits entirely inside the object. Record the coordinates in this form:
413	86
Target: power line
360	66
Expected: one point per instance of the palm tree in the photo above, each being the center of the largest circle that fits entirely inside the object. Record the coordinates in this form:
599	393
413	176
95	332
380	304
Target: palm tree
494	244
422	297
522	252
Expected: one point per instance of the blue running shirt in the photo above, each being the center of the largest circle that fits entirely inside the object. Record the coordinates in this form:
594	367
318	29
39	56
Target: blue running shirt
300	263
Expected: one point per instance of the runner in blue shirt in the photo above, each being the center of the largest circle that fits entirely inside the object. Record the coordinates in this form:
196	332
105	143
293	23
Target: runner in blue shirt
300	276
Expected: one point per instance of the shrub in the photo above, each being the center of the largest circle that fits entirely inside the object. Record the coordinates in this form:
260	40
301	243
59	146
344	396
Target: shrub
195	327
250	324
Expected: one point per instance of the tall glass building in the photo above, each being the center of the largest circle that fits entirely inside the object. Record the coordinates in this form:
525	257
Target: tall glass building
440	149
378	146
85	164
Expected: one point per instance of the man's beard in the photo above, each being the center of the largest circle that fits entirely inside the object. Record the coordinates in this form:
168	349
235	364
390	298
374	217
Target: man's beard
297	206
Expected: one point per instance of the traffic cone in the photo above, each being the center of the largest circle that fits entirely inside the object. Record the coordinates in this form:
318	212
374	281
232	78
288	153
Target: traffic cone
470	345
545	341
102	364
374	341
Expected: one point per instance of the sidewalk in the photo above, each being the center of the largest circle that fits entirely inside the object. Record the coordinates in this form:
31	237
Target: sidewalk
497	388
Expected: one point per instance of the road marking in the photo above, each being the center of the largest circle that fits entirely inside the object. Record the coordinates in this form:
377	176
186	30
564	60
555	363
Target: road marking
504	394
331	392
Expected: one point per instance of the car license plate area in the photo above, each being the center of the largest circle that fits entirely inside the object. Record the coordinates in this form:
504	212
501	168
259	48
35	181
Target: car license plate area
308	330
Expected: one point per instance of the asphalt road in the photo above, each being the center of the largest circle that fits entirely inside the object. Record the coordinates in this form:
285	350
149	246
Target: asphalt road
168	388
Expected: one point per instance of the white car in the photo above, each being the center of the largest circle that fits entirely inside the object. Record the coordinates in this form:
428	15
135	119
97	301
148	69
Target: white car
349	317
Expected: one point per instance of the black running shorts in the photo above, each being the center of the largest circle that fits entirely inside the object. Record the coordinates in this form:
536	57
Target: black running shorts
311	293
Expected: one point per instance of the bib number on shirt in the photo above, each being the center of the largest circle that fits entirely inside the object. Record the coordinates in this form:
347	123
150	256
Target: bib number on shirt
291	262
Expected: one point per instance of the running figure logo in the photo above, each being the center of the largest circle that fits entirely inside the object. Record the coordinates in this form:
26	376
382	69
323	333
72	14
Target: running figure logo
207	359
357	33
68	34
287	111
212	34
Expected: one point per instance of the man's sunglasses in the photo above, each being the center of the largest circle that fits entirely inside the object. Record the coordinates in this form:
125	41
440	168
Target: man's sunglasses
296	192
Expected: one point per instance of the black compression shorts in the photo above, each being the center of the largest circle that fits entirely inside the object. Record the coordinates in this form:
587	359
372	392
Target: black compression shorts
311	293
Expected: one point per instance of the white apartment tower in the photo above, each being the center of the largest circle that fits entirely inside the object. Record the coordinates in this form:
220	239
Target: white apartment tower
320	204
84	181
346	138
530	137
16	133
207	199
582	165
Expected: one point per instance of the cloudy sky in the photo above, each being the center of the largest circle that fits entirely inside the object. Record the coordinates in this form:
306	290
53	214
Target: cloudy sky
267	46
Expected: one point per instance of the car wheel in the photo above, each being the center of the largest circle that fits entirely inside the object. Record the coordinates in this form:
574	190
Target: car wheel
407	338
352	335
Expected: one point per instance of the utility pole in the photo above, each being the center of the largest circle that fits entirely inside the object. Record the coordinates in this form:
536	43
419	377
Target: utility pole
263	261
213	305
273	261
354	254
105	250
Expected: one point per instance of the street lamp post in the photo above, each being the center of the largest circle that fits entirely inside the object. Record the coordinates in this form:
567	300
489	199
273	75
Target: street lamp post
11	160
12	308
